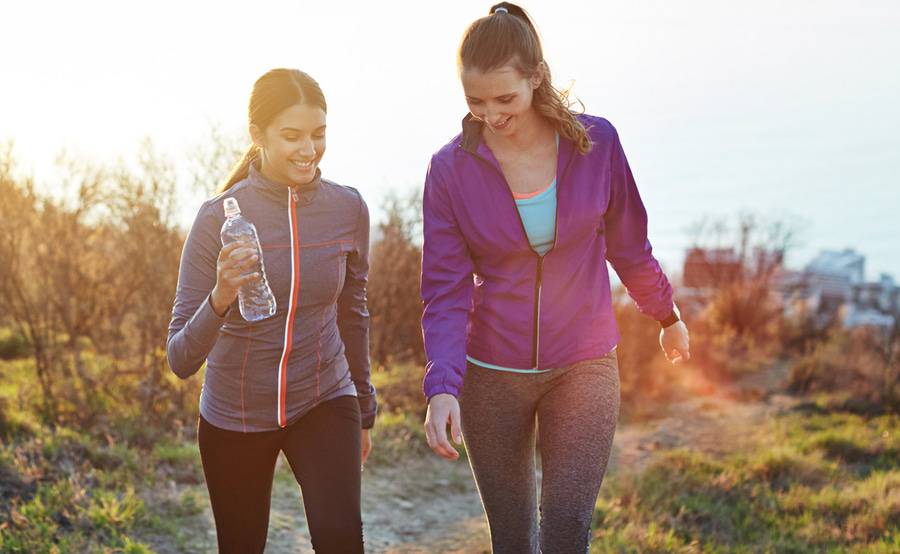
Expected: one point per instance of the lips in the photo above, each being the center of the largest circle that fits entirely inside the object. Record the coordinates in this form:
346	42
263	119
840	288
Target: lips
303	166
502	124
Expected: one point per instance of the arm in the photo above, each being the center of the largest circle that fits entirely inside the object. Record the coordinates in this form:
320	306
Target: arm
628	249
446	290
353	318
195	325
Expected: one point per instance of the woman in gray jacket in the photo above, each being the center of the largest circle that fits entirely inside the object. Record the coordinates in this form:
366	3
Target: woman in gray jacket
297	382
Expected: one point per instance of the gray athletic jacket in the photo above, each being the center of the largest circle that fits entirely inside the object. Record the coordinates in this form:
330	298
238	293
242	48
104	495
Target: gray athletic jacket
265	375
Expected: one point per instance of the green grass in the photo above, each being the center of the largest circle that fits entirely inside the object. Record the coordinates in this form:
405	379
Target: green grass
397	435
821	482
86	490
70	493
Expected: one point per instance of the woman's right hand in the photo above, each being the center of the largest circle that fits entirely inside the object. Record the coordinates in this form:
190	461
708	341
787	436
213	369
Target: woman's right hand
441	408
235	259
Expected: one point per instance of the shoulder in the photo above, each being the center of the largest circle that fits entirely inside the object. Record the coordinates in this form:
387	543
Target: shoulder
599	128
344	195
446	154
213	207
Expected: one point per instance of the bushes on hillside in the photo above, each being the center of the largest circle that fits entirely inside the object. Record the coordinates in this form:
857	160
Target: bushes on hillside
862	366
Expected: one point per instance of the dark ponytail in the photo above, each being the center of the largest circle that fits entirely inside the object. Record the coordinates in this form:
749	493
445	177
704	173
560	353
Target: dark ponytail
272	93
508	35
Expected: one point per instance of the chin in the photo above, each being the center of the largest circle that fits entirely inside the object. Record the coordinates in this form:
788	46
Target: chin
303	177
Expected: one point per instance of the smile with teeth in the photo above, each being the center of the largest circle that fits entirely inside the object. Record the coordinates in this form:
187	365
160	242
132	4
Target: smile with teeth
302	165
501	124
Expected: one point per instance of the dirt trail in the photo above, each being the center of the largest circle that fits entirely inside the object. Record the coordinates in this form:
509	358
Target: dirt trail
424	505
427	505
718	423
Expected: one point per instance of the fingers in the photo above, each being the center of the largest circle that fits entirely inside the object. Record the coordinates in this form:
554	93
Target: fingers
230	247
675	343
236	278
455	430
684	347
442	446
237	250
436	435
244	258
366	441
679	355
235	260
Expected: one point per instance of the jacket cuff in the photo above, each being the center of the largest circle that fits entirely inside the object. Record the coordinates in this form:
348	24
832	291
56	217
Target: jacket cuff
442	388
671	319
368	408
205	324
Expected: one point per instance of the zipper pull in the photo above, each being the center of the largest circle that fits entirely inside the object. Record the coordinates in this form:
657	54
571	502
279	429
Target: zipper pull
294	195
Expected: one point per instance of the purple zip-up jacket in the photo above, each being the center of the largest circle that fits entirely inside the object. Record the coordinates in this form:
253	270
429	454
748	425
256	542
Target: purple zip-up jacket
488	294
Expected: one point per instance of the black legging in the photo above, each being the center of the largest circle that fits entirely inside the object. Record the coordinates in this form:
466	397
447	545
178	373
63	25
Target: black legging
323	449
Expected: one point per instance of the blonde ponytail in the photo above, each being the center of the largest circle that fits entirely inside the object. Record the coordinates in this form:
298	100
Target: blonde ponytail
240	170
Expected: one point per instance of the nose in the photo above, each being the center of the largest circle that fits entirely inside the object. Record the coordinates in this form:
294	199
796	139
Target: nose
492	115
307	148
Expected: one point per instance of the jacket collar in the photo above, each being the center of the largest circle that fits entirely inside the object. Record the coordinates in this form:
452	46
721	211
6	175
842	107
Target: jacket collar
471	133
304	193
472	130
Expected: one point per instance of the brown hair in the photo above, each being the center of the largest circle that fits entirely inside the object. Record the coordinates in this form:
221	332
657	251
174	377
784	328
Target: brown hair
509	36
272	93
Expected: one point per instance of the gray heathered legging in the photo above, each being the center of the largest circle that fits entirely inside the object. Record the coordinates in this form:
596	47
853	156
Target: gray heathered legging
577	408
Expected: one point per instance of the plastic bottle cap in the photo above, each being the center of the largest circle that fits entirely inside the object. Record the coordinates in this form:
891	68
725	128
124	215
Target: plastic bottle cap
231	207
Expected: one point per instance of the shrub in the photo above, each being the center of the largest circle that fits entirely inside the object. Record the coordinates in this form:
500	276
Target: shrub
13	344
860	365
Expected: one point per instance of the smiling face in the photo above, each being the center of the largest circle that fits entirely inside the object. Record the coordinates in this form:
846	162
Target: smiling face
292	145
501	97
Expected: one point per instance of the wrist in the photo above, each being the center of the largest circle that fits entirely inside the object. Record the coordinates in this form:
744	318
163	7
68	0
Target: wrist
671	319
217	304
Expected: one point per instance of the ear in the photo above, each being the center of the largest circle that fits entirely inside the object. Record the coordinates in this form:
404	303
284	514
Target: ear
537	77
257	136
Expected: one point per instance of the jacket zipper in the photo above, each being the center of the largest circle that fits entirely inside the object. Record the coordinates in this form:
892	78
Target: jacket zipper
281	415
537	312
536	339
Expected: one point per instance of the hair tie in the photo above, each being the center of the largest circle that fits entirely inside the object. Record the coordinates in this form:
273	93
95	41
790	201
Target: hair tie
501	9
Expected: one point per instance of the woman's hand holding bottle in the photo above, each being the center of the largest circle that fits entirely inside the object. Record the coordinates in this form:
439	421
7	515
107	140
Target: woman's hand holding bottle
235	259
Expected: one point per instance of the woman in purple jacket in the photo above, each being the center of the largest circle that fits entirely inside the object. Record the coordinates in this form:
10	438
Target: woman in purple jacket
297	382
521	212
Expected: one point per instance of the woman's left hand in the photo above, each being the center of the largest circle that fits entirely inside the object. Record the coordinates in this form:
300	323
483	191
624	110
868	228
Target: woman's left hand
366	445
675	342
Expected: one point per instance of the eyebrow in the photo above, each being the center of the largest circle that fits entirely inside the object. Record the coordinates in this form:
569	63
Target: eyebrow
295	130
507	95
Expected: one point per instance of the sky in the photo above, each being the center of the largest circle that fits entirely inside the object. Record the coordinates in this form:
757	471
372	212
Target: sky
784	109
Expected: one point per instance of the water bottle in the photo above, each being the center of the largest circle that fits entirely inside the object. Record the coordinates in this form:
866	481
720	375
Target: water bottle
255	298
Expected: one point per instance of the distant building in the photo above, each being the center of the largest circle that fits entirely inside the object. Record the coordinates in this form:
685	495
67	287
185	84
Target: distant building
831	288
710	268
707	270
873	304
845	264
